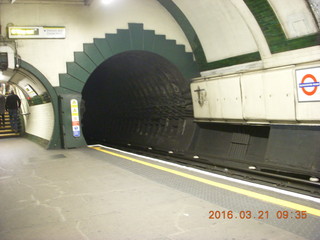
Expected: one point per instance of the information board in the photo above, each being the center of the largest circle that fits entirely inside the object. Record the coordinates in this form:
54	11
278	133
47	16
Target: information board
36	32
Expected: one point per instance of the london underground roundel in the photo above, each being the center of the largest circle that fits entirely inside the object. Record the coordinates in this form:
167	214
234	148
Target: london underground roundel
308	84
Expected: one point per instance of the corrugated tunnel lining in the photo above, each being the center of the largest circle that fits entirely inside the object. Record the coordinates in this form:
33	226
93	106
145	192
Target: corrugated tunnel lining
136	96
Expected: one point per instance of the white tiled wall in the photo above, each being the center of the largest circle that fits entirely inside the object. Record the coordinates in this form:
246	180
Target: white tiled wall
40	122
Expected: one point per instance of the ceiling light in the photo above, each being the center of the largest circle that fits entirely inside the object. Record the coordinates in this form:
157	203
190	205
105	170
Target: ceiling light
106	1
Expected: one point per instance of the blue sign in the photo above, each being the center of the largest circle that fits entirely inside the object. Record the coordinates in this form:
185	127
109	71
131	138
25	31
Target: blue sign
76	133
309	84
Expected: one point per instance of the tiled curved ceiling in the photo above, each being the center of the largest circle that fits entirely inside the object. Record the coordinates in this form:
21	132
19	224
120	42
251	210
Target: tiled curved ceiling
85	2
224	32
219	24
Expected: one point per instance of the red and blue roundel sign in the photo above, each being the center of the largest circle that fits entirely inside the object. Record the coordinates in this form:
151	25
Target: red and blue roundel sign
308	84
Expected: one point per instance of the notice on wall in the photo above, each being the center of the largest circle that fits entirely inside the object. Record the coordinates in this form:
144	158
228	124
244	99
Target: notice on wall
31	92
75	120
36	32
308	84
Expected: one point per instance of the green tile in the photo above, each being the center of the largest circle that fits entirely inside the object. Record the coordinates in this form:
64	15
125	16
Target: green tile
268	22
187	28
195	43
272	30
93	53
136	36
103	47
84	61
125	39
185	61
119	42
71	83
159	45
77	72
250	57
148	40
171	48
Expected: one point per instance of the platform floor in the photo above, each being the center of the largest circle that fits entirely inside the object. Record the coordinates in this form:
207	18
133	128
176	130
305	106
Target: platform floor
93	194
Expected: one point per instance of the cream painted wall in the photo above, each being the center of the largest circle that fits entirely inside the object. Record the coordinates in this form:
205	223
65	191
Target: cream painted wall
294	57
296	20
268	96
221	29
82	24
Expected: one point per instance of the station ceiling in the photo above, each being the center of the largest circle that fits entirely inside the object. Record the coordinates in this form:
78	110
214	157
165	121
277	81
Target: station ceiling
224	33
85	2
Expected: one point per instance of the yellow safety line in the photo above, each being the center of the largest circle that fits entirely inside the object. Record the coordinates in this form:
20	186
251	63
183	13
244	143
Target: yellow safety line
248	193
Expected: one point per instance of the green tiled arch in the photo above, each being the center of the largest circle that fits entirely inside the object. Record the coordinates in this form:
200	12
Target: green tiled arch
133	38
195	43
268	22
55	142
273	31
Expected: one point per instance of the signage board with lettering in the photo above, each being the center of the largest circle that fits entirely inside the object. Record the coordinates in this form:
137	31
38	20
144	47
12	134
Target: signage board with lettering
36	32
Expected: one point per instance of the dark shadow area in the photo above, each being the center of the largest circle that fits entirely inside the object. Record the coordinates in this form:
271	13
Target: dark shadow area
138	98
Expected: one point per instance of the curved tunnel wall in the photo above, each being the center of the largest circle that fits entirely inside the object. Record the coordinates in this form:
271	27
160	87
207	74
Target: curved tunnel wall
55	142
138	98
136	89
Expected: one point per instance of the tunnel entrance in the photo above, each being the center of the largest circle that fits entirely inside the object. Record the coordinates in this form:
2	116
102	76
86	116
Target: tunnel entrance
36	119
140	99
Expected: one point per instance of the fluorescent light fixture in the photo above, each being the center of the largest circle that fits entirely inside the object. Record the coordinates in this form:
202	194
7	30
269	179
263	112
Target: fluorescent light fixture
106	1
21	31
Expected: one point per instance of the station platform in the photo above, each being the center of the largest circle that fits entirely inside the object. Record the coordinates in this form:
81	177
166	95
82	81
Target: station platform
100	193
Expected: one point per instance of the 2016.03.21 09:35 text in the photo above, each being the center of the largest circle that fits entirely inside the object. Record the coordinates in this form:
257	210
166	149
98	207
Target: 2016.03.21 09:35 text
257	215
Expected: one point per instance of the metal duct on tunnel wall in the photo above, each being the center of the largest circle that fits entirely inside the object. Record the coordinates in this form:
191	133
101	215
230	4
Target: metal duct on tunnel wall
138	98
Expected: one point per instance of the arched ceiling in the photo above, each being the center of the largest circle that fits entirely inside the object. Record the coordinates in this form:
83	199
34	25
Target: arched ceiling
224	33
85	2
219	24
228	32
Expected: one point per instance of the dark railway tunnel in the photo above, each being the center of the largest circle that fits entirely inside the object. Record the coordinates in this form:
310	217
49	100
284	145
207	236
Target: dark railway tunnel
141	99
